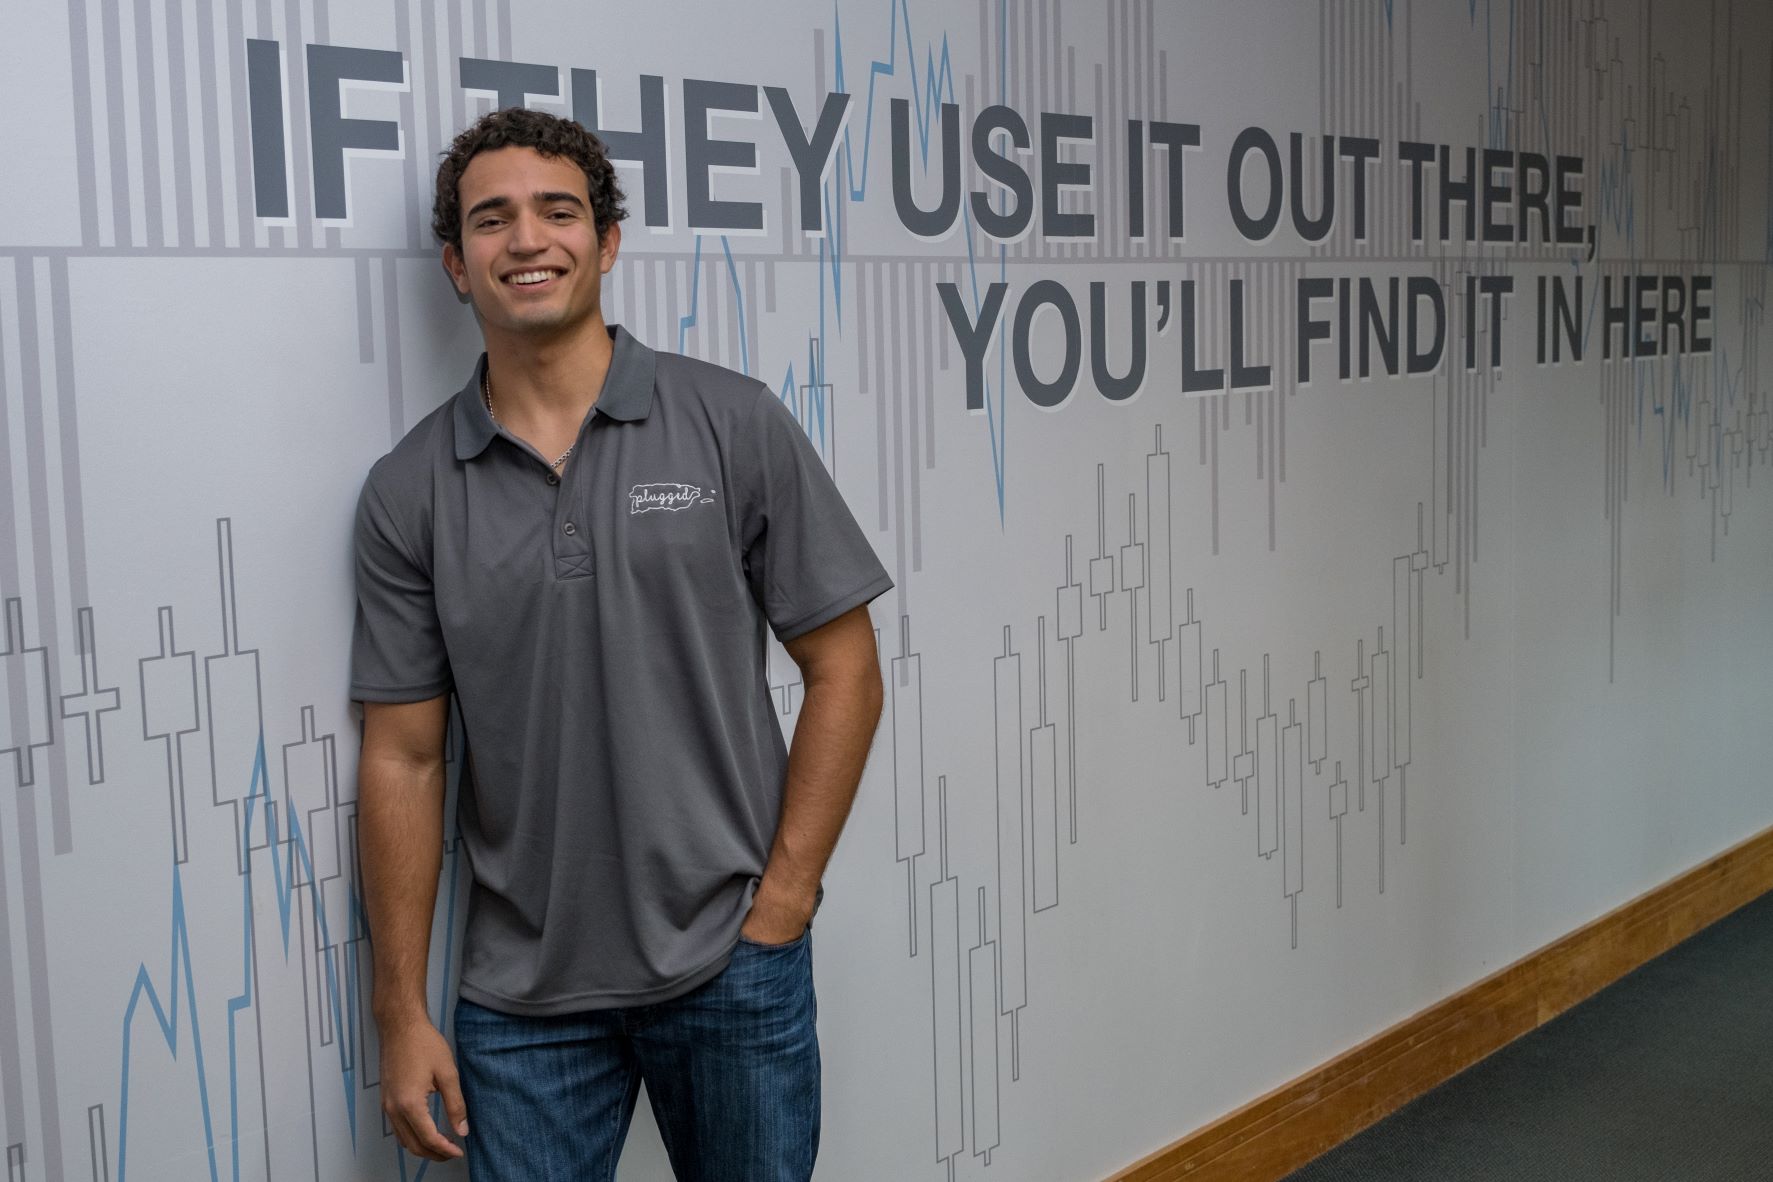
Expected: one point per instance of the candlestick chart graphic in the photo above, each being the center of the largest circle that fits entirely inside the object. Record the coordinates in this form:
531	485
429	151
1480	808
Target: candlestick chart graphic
1078	591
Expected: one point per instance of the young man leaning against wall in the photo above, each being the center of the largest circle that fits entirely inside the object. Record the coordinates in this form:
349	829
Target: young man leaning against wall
585	545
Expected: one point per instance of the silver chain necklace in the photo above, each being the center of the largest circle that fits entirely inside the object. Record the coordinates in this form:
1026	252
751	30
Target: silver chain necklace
486	393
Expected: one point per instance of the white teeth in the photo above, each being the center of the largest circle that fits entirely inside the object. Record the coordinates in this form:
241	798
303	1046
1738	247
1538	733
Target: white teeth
526	277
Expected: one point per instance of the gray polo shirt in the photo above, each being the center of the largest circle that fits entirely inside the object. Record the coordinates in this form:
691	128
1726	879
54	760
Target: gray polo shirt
603	632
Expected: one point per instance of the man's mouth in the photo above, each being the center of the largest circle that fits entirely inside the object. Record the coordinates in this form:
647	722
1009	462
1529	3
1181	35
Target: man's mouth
529	278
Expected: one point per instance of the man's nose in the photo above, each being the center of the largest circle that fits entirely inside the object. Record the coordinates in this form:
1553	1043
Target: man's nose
526	234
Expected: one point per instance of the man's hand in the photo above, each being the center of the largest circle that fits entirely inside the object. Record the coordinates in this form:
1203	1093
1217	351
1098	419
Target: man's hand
776	917
416	1062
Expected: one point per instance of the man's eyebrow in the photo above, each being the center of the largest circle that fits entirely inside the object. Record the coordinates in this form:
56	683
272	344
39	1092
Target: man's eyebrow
550	198
489	203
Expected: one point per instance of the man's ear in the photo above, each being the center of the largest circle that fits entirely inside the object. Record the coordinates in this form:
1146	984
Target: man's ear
456	269
608	245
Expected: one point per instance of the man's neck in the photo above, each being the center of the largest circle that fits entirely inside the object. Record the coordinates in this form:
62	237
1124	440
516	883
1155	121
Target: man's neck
535	381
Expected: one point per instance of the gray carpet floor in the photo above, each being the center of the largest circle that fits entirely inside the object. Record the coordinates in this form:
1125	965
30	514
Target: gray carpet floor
1664	1076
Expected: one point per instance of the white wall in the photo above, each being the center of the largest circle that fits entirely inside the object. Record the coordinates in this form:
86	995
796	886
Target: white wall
192	394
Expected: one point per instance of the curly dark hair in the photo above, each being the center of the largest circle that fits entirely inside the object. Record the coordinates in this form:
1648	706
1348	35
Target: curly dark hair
519	127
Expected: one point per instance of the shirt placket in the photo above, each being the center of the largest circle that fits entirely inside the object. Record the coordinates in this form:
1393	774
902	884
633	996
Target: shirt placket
573	554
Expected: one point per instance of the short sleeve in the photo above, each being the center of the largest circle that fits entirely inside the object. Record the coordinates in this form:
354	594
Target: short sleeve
397	651
807	559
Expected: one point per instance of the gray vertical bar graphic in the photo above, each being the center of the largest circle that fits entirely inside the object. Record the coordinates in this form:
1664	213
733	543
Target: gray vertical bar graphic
391	334
656	307
877	273
73	514
936	354
117	134
243	182
150	123
787	206
721	305
862	299
910	475
11	1064
424	56
673	302
68	418
418	158
295	80
43	550
737	356
1017	83
900	281
86	144
951	273
453	67
274	235
49	1095
177	79
704	333
15	691
748	273
505	28
366	327
323	36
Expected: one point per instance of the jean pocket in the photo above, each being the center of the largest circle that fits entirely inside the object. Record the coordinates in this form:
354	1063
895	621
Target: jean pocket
794	943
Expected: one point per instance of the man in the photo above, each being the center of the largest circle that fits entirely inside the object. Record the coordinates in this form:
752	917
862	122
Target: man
585	545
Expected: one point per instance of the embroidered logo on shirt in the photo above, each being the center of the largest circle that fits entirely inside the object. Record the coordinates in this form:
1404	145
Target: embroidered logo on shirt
643	498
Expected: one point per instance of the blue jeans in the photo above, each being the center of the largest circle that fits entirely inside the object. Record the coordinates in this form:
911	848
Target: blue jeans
731	1069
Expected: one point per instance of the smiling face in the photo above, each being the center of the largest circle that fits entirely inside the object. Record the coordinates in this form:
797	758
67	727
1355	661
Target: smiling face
530	259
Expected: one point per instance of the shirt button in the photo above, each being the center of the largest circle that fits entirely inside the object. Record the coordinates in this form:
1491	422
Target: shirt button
552	479
569	529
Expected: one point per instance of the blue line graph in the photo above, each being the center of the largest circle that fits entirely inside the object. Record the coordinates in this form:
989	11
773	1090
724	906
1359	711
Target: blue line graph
928	92
938	82
688	320
937	87
179	958
342	1001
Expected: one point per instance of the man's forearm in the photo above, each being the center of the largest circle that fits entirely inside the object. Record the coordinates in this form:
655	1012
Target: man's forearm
400	833
837	719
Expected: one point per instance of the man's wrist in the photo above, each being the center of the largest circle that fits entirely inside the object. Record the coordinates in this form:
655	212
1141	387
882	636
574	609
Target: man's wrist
781	895
778	913
399	1013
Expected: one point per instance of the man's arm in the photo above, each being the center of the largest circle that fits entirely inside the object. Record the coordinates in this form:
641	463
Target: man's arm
841	673
400	831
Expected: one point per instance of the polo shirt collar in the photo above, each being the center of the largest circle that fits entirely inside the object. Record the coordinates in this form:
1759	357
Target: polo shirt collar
627	394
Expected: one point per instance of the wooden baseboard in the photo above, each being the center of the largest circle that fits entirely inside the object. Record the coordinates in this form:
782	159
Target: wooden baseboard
1277	1133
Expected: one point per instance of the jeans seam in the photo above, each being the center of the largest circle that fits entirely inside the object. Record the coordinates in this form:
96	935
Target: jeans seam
615	1138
